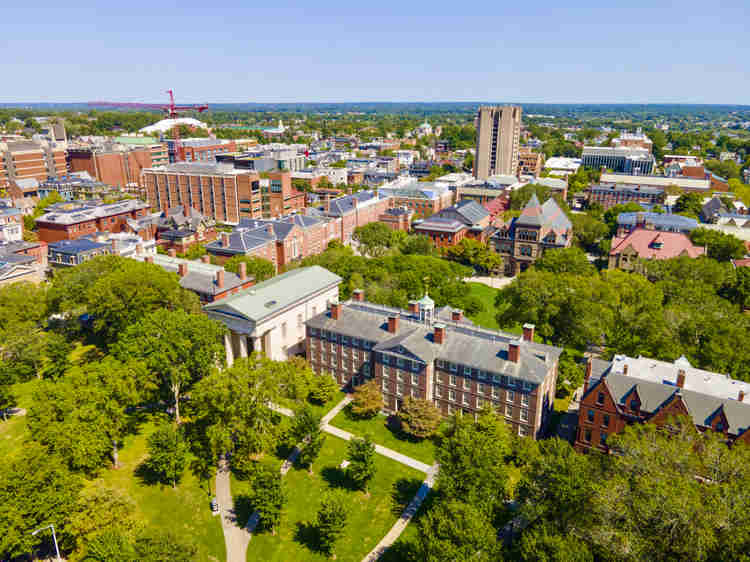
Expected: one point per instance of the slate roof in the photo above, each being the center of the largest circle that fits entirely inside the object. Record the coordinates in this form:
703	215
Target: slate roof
548	217
439	224
74	247
242	241
275	294
657	245
183	218
704	393
464	344
661	221
345	205
472	211
73	214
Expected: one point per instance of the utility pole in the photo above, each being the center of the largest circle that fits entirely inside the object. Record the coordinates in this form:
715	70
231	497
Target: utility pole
54	538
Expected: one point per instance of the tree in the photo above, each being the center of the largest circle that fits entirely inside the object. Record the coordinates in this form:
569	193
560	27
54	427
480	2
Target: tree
331	519
588	231
475	254
418	244
470	466
7	400
611	214
259	268
167	450
368	400
361	469
540	544
179	348
456	530
420	418
296	379
521	196
36	489
231	408
307	431
374	238
268	496
125	296
111	545
721	247
565	260
101	507
160	546
689	204
324	388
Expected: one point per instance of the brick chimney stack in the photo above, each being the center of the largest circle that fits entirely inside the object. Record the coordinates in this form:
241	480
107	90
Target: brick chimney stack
514	351
625	369
243	271
149	259
528	332
414	308
138	249
457	315
681	378
358	295
113	243
336	310
393	324
172	253
439	335
182	269
224	239
587	376
220	279
206	258
741	396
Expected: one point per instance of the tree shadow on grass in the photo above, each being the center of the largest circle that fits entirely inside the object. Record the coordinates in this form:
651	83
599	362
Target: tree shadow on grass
337	478
403	492
307	534
401	551
146	475
243	509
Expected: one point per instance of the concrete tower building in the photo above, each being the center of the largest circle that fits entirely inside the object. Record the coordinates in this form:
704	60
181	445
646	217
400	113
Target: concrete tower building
498	132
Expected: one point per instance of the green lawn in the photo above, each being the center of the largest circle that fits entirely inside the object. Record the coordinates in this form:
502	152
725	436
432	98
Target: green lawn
380	433
318	409
486	317
370	518
12	434
185	509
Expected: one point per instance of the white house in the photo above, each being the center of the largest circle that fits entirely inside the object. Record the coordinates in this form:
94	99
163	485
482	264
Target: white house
270	316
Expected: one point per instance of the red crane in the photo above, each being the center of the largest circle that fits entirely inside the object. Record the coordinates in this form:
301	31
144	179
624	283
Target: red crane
171	109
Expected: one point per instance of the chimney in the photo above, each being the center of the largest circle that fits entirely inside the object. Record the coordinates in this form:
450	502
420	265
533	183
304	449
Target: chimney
587	376
225	239
514	351
182	269
528	332
625	369
113	243
269	229
243	271
741	396
172	253
149	259
220	279
393	324
336	310
414	308
206	258
457	315
358	295
138	249
681	378
439	334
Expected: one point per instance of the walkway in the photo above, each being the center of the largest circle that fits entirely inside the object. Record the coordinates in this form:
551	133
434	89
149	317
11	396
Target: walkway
236	538
494	282
406	517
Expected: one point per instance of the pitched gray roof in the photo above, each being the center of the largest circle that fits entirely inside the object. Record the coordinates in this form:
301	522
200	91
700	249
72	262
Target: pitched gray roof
472	211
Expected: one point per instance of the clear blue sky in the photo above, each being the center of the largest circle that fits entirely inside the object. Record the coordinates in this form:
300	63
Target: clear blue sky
411	50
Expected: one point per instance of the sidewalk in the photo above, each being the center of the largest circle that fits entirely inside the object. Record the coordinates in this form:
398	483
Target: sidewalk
236	538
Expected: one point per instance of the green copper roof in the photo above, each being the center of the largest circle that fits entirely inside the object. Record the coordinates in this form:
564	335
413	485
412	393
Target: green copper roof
137	140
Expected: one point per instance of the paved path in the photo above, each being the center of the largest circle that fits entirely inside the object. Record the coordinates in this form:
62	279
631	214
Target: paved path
236	538
14	412
494	282
406	517
336	409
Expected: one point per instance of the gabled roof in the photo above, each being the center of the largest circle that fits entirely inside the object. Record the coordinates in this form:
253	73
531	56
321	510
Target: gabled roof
470	210
531	214
658	245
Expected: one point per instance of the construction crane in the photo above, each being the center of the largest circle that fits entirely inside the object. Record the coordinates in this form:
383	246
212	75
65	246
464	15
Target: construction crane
172	111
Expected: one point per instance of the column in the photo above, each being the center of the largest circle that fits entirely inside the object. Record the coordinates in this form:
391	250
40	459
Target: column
243	344
257	345
229	349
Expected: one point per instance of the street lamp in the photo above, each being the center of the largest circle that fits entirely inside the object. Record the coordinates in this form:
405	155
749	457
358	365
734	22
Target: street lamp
54	538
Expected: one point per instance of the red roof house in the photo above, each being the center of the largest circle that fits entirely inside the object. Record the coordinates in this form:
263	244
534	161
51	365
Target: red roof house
651	245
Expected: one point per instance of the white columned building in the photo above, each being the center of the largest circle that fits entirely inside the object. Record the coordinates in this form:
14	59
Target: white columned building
270	316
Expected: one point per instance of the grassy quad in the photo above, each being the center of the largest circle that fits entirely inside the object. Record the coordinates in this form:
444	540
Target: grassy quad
486	317
185	510
379	431
370	518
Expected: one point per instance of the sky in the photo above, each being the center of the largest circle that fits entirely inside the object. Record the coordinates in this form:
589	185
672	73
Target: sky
545	51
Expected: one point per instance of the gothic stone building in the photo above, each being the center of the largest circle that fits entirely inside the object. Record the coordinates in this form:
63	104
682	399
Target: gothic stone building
630	390
524	239
437	355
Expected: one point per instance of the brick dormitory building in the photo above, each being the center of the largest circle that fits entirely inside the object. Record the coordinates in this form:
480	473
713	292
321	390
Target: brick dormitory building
437	355
631	390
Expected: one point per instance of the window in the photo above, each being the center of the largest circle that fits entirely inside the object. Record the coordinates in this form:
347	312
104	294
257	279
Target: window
452	395
345	340
467	398
453	367
495	392
324	357
504	380
283	330
523	431
605	420
509	410
386	372
400	389
299	320
600	398
524	399
480	388
467	371
587	436
415	379
479	402
414	393
496	379
385	386
510	396
438	392
634	405
591	416
511	382
482	375
399	376
400	362
603	438
467	384
452	380
386	360
524	414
